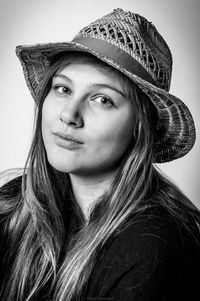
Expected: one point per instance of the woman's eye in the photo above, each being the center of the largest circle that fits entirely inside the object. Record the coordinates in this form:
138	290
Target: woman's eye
103	100
61	89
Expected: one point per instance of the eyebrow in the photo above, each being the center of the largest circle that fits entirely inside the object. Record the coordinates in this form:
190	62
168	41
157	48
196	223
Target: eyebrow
62	76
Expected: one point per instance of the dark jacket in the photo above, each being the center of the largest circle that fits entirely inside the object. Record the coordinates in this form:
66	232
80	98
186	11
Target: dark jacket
155	259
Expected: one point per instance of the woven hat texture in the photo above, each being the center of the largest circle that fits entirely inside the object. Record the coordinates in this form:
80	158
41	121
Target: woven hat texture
132	45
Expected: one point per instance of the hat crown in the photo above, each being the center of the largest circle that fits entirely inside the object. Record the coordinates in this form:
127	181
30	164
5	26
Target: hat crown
137	37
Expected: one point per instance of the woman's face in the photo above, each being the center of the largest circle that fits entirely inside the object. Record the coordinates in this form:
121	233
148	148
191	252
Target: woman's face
86	121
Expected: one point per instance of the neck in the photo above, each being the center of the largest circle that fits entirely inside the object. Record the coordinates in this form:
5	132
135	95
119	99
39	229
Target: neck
88	189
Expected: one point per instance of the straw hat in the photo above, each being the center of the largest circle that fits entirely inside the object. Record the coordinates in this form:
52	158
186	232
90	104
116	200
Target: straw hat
132	45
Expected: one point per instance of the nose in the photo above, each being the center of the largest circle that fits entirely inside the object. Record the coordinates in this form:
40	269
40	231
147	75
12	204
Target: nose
71	114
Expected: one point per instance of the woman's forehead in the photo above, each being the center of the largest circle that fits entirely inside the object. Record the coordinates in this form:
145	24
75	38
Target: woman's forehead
114	75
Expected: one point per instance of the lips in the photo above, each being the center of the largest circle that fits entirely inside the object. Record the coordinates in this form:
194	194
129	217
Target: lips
68	137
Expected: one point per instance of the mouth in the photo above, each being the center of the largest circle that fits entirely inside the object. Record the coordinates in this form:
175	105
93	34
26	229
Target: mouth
68	138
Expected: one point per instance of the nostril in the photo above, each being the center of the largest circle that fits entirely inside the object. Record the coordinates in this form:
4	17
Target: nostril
67	121
75	121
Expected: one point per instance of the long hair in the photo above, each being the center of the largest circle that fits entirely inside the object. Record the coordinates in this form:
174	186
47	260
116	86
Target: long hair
44	250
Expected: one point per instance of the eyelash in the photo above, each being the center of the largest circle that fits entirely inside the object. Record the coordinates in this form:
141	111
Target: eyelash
56	87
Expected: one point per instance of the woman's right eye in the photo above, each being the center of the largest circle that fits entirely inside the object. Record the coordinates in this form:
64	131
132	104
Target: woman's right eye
60	89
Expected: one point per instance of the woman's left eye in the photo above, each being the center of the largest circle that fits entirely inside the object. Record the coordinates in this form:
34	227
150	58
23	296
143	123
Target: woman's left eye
103	100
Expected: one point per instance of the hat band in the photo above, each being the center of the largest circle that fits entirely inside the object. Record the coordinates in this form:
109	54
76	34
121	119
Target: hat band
114	53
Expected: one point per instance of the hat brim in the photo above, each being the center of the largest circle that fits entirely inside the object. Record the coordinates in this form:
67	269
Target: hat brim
180	132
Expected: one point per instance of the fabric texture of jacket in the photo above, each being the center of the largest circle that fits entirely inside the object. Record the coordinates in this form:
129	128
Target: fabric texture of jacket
154	259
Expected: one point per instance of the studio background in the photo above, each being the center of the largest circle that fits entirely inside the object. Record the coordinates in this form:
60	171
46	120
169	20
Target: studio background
41	21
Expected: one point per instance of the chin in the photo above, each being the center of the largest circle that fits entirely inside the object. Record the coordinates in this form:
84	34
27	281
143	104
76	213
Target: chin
58	163
62	166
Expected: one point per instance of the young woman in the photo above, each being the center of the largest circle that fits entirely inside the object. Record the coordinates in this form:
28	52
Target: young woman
92	218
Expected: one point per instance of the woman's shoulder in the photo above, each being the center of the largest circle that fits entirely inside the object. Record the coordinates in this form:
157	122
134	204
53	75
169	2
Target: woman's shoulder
154	250
10	185
10	189
158	231
161	222
9	175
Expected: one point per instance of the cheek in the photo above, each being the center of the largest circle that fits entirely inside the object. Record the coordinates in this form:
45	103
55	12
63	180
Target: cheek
48	122
115	133
49	114
122	134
